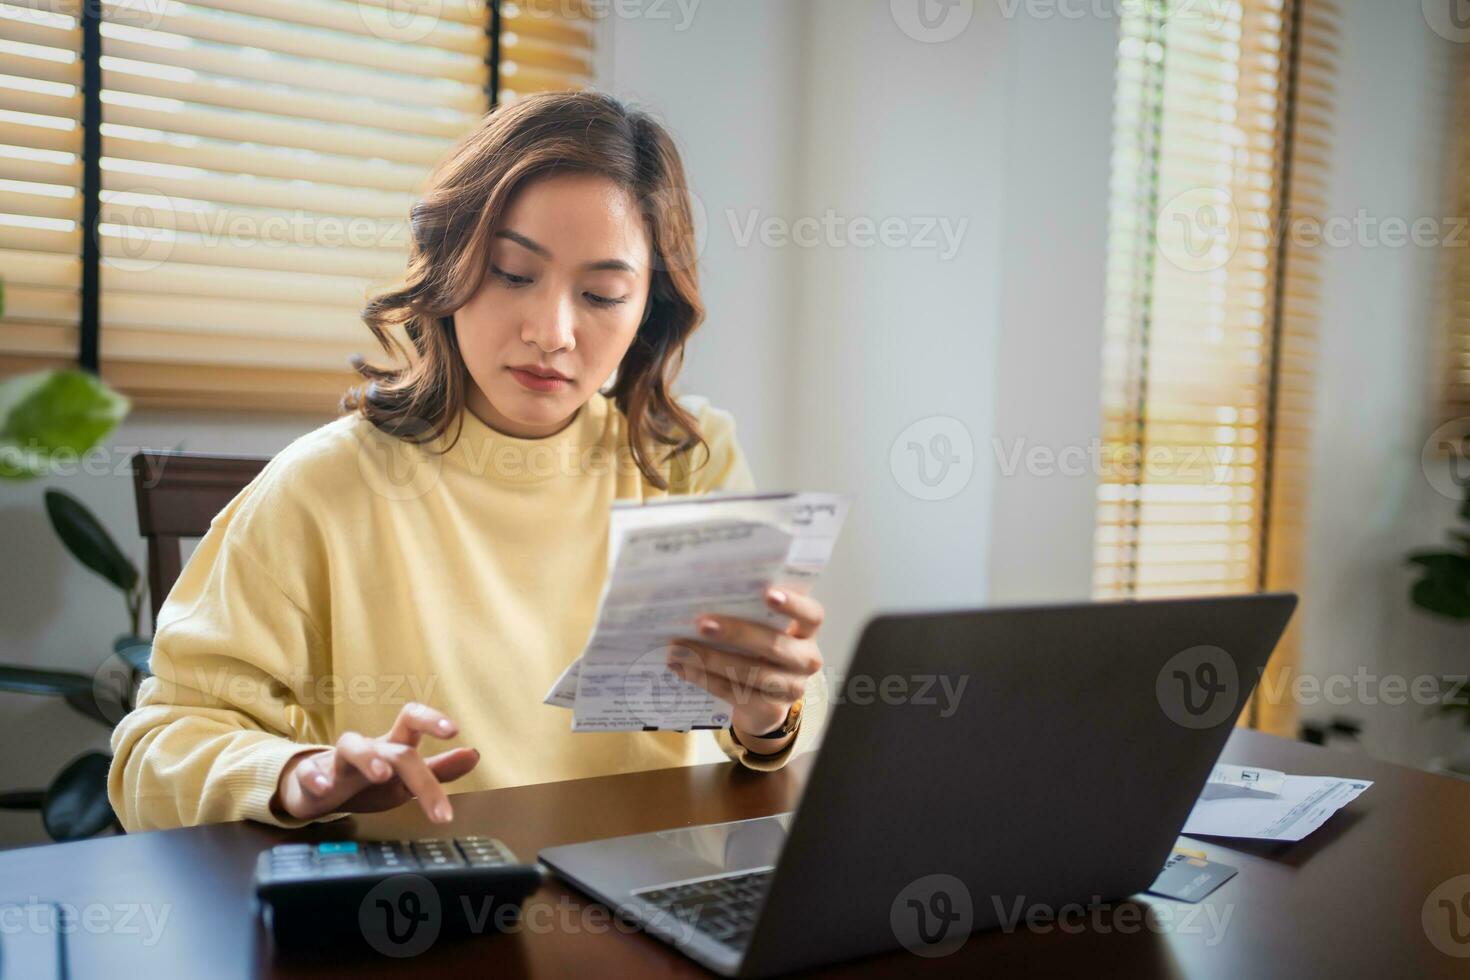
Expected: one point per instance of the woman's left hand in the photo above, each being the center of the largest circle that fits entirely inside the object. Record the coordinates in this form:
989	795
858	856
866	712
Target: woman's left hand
759	669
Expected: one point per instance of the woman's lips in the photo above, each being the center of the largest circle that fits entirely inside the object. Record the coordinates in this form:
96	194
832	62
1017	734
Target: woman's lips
536	382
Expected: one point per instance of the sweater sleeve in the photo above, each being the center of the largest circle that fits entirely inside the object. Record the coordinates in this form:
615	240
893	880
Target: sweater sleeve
813	717
232	662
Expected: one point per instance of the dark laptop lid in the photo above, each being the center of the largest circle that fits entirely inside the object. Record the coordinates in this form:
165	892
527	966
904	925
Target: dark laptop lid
1047	755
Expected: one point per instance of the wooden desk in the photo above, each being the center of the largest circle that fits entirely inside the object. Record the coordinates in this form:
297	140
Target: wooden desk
1347	901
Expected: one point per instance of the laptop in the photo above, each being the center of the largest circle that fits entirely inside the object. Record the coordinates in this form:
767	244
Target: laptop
976	762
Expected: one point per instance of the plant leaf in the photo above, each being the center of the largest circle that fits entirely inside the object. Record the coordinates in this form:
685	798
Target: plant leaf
27	680
47	412
22	799
88	705
1432	595
88	541
134	651
76	804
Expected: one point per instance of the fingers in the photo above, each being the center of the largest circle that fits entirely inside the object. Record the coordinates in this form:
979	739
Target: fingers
362	754
449	766
421	782
782	650
743	676
417	720
806	613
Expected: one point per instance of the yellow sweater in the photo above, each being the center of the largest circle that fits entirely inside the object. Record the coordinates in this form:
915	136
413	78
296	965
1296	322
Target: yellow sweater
359	572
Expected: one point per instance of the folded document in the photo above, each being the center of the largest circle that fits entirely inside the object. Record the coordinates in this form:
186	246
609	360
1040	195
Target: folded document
1300	806
669	561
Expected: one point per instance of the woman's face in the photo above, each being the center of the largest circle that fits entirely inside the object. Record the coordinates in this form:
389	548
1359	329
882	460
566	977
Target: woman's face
561	302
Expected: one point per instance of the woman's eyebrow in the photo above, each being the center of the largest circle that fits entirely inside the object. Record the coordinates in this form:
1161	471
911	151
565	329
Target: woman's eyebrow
604	265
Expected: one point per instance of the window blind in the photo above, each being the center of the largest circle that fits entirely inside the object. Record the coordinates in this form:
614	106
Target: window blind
1221	133
1454	389
259	162
40	186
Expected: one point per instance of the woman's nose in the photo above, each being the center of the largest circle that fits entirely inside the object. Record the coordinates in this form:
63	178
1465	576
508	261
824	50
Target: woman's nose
550	327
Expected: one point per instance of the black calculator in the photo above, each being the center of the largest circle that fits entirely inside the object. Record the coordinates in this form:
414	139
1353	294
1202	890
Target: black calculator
397	897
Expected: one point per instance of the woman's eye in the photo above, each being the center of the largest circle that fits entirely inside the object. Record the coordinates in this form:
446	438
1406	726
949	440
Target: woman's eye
513	280
597	300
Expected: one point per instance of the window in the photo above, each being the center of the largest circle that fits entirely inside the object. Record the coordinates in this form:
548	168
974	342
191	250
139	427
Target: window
1454	388
257	161
1221	133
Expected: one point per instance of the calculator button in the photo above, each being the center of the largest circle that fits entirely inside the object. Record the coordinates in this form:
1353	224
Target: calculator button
337	847
436	854
392	855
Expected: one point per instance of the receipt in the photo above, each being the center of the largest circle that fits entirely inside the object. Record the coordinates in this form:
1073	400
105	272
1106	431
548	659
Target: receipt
1304	804
669	561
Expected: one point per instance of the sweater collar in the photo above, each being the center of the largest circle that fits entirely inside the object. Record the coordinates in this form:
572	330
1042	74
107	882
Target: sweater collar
492	455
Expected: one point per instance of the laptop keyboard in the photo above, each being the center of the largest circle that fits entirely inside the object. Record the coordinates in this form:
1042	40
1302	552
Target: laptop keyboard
723	908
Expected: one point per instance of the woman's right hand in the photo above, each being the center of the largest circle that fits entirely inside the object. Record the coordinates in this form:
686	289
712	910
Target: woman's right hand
362	774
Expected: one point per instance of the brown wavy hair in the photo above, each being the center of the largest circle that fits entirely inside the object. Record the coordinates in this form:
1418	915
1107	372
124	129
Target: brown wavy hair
452	224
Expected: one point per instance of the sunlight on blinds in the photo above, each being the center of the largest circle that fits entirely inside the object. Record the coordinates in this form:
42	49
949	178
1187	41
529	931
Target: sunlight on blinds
545	46
1454	390
259	162
40	181
1210	322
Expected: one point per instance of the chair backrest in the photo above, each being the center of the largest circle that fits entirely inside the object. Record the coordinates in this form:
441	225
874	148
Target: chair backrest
178	494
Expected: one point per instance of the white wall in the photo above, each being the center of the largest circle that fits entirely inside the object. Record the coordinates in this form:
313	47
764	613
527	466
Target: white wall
1370	501
829	349
1048	415
723	81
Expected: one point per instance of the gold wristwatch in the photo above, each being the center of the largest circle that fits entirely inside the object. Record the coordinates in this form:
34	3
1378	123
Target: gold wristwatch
791	724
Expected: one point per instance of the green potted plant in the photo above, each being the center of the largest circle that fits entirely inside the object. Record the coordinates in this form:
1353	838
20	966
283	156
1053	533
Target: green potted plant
42	416
1443	590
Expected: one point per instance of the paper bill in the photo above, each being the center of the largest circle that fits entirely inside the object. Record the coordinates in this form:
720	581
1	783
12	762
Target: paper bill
669	562
1305	803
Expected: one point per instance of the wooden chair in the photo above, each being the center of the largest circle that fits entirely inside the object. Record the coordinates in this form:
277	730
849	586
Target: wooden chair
178	494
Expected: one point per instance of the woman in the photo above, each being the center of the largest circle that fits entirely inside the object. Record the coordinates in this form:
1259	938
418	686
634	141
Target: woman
426	565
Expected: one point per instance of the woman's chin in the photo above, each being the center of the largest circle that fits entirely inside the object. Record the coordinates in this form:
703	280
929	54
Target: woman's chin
526	411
